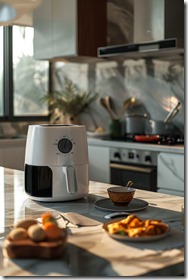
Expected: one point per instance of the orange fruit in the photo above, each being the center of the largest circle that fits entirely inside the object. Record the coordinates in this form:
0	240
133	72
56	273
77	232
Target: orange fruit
52	230
48	217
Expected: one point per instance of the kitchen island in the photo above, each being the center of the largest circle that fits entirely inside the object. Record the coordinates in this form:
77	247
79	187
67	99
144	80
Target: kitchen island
91	252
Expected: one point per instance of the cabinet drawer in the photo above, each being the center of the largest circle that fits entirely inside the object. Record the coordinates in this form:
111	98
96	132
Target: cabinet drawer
99	166
170	173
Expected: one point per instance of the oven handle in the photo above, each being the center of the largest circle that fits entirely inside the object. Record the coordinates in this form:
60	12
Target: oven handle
132	168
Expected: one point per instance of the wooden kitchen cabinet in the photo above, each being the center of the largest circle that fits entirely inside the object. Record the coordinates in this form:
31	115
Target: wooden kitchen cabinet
170	173
69	28
99	164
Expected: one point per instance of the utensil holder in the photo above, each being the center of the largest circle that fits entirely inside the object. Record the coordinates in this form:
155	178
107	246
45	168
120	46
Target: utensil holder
115	129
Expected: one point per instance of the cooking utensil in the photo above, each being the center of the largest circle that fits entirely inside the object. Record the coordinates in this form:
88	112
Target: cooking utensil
154	127
103	103
108	100
171	113
129	183
130	102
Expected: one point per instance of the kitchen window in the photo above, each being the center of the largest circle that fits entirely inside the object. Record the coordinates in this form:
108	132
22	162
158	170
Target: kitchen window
23	80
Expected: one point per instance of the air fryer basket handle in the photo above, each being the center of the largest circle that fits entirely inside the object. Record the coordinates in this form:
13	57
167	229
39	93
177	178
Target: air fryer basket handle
70	178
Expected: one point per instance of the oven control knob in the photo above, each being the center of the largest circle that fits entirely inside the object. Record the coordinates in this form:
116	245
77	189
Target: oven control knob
148	159
117	155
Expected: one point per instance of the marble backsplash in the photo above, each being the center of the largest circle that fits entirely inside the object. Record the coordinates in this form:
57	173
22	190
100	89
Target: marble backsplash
157	86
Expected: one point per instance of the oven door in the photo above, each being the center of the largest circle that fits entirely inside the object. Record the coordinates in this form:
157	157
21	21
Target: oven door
143	177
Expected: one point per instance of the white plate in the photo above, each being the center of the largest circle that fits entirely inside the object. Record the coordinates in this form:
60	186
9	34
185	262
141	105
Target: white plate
134	239
97	135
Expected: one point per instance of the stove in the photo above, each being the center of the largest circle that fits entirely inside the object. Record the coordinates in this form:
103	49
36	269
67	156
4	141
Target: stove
138	165
155	139
171	140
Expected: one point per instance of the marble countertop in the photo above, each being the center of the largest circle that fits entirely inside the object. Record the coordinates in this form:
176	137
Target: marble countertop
179	149
90	252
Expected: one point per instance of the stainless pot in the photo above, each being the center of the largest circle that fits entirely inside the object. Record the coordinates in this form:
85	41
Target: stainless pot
134	124
159	127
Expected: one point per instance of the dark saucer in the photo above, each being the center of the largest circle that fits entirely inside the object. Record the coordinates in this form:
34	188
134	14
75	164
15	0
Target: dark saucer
121	203
107	205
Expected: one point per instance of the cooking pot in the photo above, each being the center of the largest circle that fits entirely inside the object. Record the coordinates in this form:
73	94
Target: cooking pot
154	127
134	124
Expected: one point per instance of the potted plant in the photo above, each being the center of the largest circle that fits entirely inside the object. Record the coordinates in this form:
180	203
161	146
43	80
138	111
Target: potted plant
67	104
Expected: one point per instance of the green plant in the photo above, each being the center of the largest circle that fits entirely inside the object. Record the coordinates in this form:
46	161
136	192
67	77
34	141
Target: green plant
70	101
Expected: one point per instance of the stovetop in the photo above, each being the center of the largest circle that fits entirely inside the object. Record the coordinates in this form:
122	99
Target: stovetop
160	140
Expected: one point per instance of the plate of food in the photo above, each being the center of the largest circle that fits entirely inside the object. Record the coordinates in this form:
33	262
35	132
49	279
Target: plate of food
134	229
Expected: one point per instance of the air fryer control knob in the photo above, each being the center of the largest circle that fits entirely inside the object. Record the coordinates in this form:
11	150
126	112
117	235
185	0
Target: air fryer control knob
65	145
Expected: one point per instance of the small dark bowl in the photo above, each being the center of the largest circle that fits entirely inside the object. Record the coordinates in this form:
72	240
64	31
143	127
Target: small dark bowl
121	195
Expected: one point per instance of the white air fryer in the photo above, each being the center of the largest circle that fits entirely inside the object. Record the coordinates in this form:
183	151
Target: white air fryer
56	162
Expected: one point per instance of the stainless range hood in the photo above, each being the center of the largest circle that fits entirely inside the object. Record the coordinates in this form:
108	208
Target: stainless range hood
153	49
158	31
